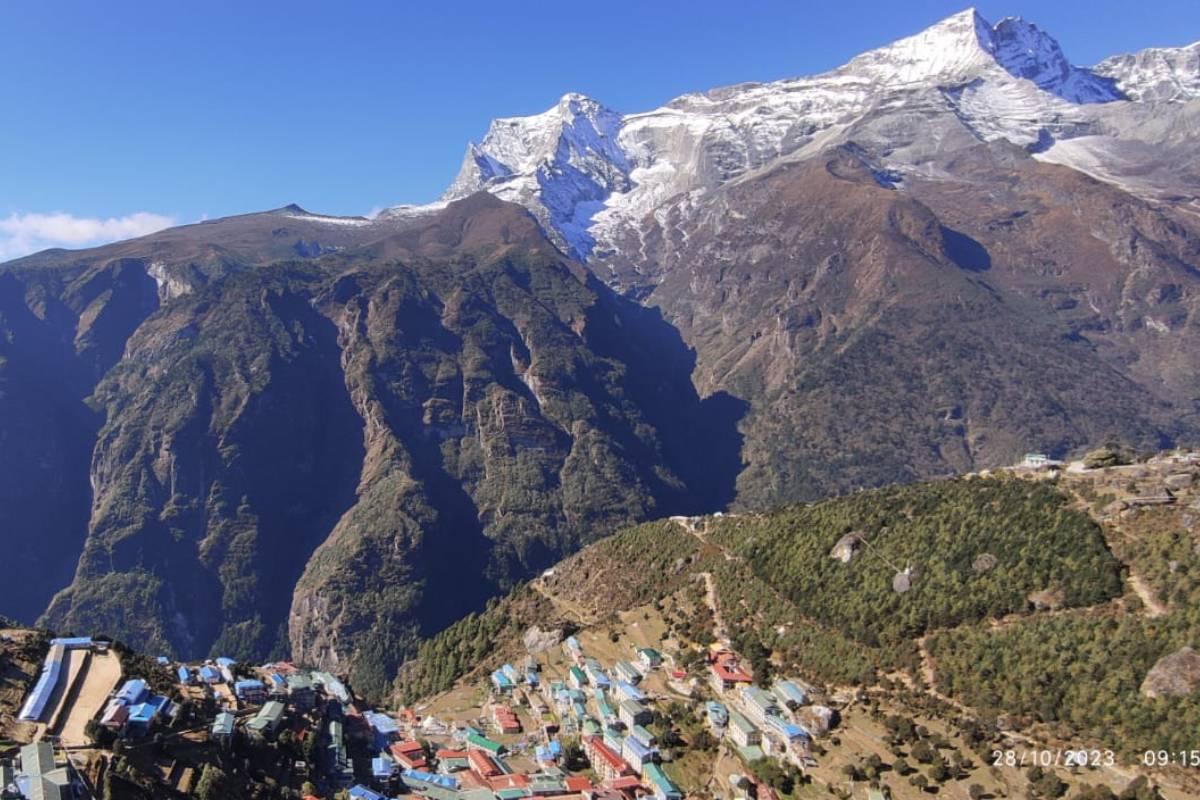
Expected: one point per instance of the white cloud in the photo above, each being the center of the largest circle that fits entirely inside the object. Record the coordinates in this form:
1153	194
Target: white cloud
21	234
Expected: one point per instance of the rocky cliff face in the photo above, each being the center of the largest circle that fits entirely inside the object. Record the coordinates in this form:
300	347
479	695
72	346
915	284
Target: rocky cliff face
332	456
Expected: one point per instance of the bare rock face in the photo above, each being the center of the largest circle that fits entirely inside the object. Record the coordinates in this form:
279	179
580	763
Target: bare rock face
537	640
848	546
1175	675
1046	599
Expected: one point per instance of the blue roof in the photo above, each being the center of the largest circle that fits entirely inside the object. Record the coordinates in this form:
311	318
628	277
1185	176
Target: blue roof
381	723
363	793
209	673
444	781
163	661
277	680
381	767
143	712
791	691
132	692
500	679
249	685
71	643
637	748
223	724
225	662
629	690
184	673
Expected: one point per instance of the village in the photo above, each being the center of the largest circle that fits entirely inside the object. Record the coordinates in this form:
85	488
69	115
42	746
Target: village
562	723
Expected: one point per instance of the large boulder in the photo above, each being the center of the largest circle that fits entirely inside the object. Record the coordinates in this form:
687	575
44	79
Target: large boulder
1174	675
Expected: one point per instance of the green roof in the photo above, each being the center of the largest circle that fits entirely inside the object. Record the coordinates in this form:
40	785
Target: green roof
751	753
740	722
656	776
484	743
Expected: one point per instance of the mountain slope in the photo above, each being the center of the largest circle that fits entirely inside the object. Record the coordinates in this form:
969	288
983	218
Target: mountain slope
395	430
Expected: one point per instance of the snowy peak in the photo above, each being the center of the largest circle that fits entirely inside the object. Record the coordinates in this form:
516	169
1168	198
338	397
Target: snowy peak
577	129
1157	74
962	46
1024	51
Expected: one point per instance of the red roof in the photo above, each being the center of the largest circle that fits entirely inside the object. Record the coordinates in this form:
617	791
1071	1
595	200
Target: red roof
626	782
577	783
502	782
729	671
451	753
480	762
598	749
678	674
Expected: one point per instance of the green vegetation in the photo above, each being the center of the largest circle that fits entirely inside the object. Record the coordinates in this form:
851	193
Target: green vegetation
938	529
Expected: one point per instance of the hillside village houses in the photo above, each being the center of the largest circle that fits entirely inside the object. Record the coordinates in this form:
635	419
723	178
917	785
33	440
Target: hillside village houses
608	709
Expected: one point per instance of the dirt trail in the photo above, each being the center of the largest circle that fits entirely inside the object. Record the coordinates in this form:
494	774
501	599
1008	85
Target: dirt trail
1154	606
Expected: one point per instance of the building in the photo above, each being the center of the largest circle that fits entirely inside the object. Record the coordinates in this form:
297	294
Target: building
644	736
338	765
210	674
501	682
648	658
331	686
637	754
632	713
727	673
276	685
759	704
627	672
576	677
42	777
788	693
222	729
132	692
409	754
572	649
606	763
483	765
476	741
661	784
363	793
301	693
267	721
186	676
718	717
251	691
431	785
505	719
742	731
627	691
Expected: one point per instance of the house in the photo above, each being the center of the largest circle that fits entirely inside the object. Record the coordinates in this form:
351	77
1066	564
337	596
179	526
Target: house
637	754
789	731
185	674
383	768
250	691
1038	461
385	728
717	715
505	719
483	765
627	672
276	685
115	715
363	793
549	753
576	677
759	704
331	686
661	784
225	667
572	649
644	736
222	730
632	713
338	765
210	674
788	693
475	741
727	673
606	763
132	692
628	691
742	731
648	657
543	784
45	780
143	715
409	754
267	721
431	785
604	711
452	760
301	693
501	682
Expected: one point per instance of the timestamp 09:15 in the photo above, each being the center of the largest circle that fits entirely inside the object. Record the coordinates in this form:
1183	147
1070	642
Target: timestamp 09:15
1171	758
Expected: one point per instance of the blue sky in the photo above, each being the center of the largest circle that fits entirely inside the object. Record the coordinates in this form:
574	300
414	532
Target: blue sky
181	111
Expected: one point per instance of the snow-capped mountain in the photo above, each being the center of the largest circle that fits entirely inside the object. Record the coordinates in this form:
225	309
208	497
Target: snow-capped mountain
591	175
